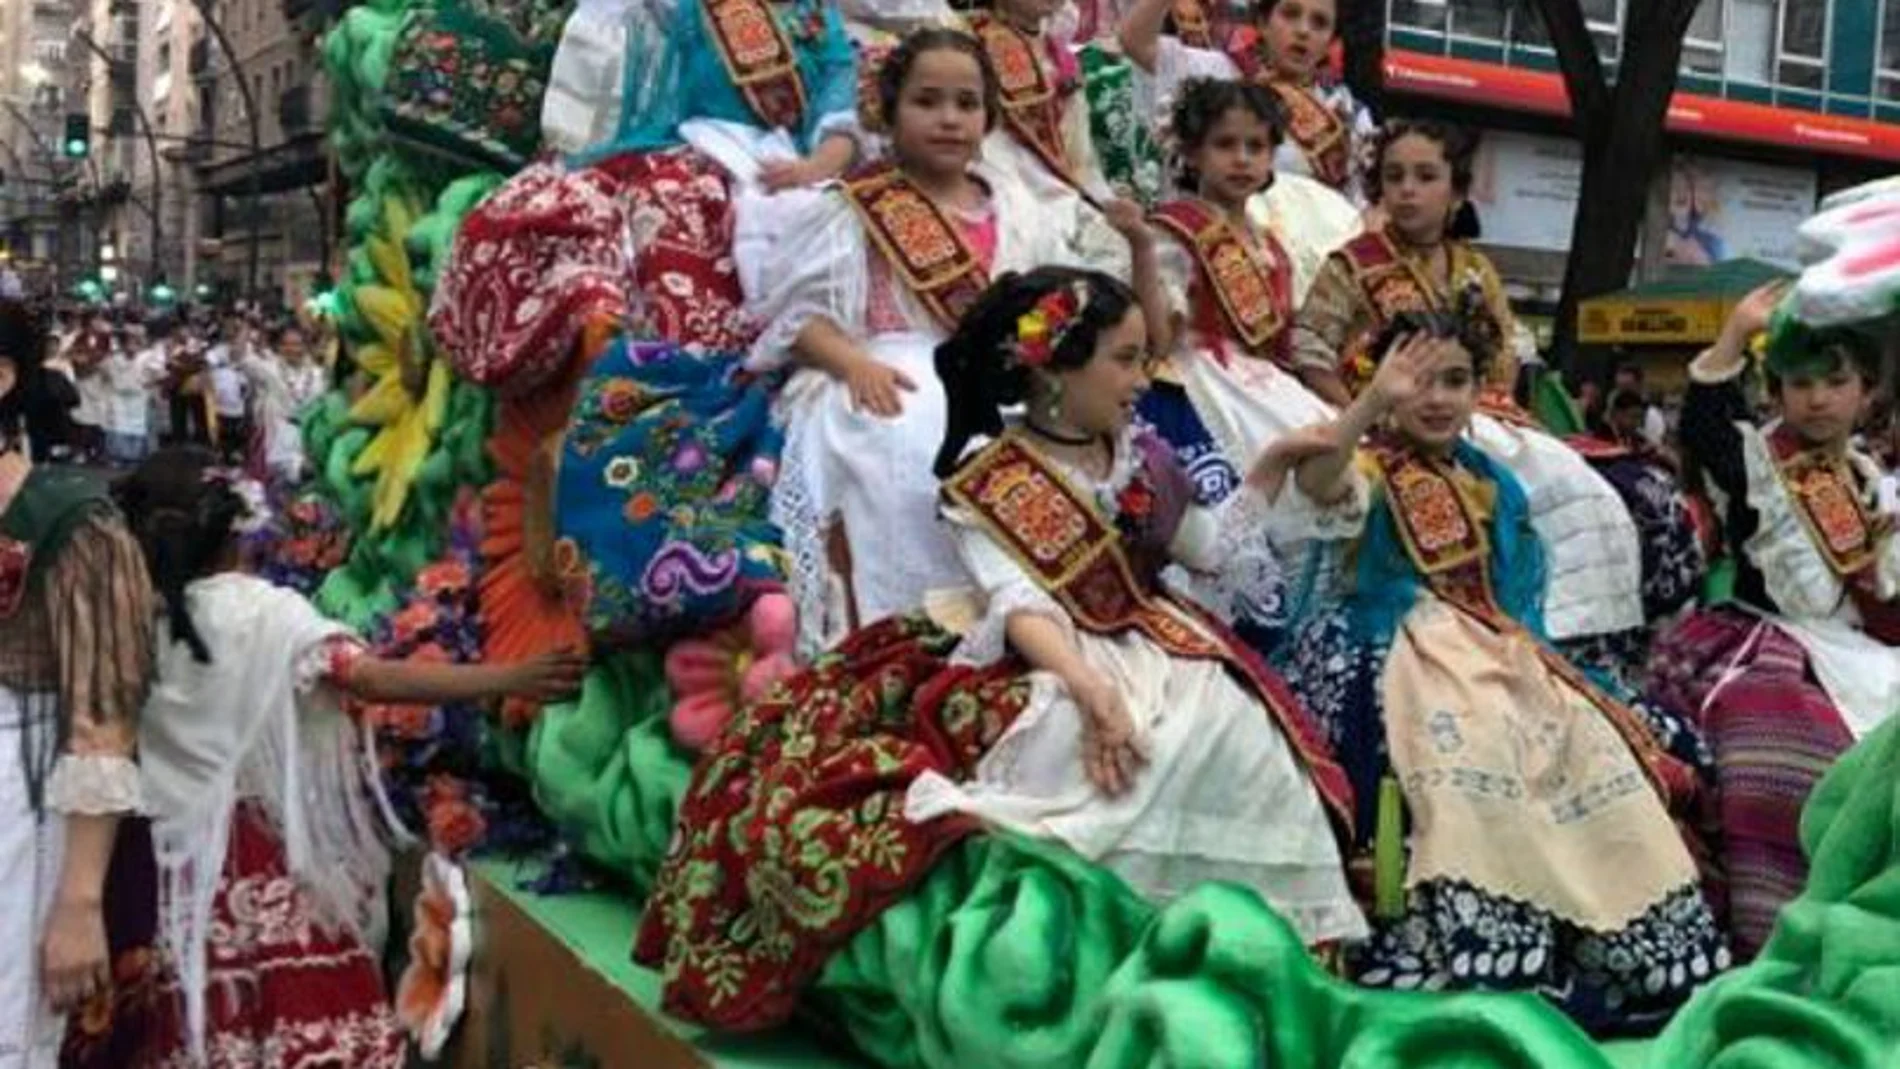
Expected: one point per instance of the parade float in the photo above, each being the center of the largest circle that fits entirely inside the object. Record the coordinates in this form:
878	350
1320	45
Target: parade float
542	436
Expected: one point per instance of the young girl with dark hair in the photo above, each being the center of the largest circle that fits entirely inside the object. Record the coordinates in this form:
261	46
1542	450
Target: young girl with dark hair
1416	263
260	793
1522	828
75	661
1067	696
876	275
1802	664
1227	390
1329	134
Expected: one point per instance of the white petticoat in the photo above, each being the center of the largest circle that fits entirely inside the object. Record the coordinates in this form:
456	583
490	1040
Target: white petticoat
875	475
30	850
1222	796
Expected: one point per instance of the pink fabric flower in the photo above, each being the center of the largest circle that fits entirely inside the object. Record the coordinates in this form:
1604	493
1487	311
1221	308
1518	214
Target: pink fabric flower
713	677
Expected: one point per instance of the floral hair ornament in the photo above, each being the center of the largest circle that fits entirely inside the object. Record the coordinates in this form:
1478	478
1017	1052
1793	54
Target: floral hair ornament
257	511
1041	330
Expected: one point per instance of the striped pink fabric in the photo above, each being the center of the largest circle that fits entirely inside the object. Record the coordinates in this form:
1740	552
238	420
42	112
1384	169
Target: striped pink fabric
1775	733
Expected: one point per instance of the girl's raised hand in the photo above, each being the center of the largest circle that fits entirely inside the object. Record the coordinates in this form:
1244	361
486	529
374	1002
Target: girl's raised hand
1752	313
1130	221
1406	369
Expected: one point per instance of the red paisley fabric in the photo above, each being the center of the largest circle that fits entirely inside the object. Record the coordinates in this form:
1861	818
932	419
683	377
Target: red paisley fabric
555	249
793	836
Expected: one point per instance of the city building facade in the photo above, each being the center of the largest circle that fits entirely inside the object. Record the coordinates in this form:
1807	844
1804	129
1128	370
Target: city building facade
1779	103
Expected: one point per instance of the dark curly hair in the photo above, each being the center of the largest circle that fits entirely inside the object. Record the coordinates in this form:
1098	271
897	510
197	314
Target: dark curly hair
1470	323
895	71
1460	146
980	374
184	520
1200	103
23	344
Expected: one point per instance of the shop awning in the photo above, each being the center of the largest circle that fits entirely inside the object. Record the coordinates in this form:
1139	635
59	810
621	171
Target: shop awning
1685	307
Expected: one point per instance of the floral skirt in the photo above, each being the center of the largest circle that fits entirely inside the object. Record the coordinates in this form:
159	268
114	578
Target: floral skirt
1775	733
1672	549
792	836
1452	936
666	472
282	991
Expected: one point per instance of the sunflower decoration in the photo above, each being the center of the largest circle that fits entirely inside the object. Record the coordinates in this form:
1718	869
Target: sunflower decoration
411	389
532	587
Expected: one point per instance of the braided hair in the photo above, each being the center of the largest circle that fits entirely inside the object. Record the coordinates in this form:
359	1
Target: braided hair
1460	147
1200	103
184	518
978	365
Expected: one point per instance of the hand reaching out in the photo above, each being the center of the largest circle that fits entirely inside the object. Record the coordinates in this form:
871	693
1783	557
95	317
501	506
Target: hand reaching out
1286	454
779	175
549	677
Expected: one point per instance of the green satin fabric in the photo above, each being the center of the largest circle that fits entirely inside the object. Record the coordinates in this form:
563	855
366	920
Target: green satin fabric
1015	953
606	771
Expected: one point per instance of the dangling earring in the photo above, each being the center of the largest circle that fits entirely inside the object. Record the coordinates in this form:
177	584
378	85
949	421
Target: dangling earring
1055	400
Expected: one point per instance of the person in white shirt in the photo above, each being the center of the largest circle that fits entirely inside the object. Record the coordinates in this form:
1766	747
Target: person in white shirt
87	348
1655	426
283	380
230	391
129	377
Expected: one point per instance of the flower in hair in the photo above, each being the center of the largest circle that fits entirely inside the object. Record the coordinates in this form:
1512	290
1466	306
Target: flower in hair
1040	331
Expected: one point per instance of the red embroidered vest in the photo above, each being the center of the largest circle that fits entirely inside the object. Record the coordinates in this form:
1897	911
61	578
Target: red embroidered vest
759	57
925	249
1850	537
1032	101
1251	289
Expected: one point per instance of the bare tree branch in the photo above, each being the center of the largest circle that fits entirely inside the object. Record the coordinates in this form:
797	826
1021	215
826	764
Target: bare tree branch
1584	77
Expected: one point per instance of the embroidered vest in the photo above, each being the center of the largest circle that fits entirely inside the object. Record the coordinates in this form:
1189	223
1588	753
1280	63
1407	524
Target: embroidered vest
1390	283
1827	497
759	57
1032	101
925	249
1076	555
1252	288
1448	541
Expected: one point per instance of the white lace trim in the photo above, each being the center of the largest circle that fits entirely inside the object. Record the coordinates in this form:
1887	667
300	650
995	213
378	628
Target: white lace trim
95	786
795	510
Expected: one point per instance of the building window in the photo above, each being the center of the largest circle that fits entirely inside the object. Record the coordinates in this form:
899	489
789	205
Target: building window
1702	45
1802	62
1887	74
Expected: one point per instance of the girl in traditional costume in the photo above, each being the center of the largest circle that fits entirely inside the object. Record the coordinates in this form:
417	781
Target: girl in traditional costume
1043	136
865	287
1421	261
1802	664
75	658
688	128
264	825
1083	704
1517	820
1227	390
1329	134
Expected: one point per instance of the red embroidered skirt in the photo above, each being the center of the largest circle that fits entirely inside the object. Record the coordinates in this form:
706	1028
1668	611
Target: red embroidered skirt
793	836
1775	733
282	992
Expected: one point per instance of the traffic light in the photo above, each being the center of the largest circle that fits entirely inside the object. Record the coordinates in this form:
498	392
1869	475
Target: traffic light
78	135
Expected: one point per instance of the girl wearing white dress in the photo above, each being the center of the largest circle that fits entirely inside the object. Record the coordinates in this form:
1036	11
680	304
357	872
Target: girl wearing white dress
1082	703
866	285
